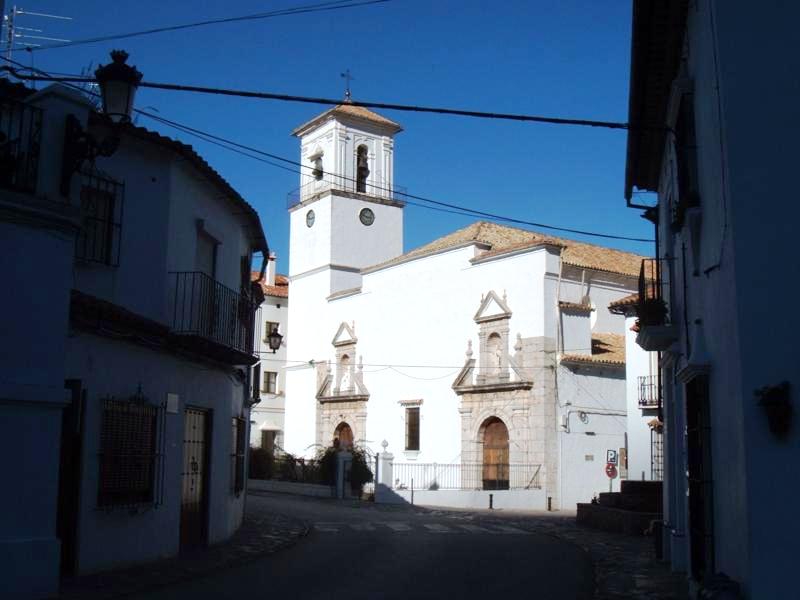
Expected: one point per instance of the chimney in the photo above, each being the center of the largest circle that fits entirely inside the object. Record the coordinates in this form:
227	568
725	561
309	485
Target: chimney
270	275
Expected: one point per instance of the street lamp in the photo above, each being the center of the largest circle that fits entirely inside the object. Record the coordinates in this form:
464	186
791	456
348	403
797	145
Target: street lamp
274	338
118	84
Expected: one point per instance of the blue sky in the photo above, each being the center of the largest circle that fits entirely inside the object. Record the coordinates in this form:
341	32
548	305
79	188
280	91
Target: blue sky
566	58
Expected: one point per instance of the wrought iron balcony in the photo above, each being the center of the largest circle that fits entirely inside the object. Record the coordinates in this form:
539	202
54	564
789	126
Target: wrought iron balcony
655	325
315	187
20	139
219	321
649	391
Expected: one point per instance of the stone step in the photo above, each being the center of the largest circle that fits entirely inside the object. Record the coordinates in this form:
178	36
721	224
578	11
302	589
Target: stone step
632	486
607	518
609	499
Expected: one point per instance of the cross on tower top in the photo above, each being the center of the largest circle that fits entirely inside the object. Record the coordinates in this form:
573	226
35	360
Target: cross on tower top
348	78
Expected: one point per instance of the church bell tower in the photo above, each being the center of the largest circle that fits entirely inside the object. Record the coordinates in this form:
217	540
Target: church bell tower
346	214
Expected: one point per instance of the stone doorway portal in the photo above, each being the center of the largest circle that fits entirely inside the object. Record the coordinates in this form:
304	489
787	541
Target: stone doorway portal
494	435
343	436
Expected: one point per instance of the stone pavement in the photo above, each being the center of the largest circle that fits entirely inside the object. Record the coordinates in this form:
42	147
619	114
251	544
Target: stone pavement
624	566
261	533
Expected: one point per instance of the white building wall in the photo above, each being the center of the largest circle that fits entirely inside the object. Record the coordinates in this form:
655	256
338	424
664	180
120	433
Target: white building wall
638	363
592	419
269	413
109	368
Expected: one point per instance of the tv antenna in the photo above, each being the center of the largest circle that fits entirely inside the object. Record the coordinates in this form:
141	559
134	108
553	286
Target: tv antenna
17	36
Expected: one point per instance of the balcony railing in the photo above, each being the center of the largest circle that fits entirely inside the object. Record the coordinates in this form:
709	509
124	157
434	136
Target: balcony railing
653	308
328	182
206	309
20	139
649	391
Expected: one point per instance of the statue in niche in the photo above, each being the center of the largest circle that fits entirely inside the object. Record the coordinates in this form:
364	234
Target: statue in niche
495	354
345	383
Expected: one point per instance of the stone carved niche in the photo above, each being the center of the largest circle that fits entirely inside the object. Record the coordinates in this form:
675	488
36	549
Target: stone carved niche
495	365
345	380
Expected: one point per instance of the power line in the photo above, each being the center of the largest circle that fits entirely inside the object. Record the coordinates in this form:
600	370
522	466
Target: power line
409	198
382	105
303	9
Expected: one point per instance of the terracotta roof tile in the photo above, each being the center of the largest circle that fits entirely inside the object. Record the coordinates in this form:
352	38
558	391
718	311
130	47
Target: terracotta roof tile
625	303
607	349
351	110
279	290
576	306
501	239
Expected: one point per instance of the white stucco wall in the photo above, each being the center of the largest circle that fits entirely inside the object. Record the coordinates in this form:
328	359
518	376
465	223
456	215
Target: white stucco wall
268	414
109	368
599	395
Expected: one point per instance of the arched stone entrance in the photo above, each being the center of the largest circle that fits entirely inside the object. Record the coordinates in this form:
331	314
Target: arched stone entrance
343	436
494	437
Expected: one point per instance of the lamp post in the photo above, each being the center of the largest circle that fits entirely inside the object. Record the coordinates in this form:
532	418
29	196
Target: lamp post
274	338
118	83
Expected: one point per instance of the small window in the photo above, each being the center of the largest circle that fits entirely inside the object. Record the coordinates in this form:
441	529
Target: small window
237	454
101	206
269	327
270	382
128	454
412	428
310	218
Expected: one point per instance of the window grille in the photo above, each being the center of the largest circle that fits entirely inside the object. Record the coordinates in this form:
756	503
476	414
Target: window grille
256	382
237	455
412	428
270	382
129	454
657	453
101	213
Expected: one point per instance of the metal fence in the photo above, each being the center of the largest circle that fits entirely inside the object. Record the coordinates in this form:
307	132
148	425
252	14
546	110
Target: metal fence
20	140
204	307
466	476
653	307
341	183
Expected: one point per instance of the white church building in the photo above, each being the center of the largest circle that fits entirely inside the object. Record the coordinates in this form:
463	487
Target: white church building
490	352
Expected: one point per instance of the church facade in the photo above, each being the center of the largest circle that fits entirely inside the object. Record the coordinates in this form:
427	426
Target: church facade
491	348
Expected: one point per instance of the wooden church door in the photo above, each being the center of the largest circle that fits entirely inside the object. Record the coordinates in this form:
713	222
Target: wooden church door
495	455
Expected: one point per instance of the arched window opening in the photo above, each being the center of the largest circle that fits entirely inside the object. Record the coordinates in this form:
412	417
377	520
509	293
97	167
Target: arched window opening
343	436
494	435
362	169
318	172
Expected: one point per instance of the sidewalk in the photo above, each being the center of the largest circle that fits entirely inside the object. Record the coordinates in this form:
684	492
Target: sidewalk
261	533
625	566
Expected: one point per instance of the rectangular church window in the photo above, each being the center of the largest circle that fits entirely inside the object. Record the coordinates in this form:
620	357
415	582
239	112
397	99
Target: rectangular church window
412	428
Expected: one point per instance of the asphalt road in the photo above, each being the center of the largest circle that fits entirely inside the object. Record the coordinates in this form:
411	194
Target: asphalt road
361	550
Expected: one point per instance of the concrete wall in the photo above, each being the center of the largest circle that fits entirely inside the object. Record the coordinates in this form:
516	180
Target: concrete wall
290	487
109	368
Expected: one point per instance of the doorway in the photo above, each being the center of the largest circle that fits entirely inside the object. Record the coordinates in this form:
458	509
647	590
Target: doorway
698	446
69	476
495	454
194	477
343	436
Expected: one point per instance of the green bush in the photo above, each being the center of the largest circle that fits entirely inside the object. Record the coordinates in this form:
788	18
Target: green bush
360	473
261	464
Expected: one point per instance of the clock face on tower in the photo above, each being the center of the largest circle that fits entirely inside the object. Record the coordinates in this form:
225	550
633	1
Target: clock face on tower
310	218
366	216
